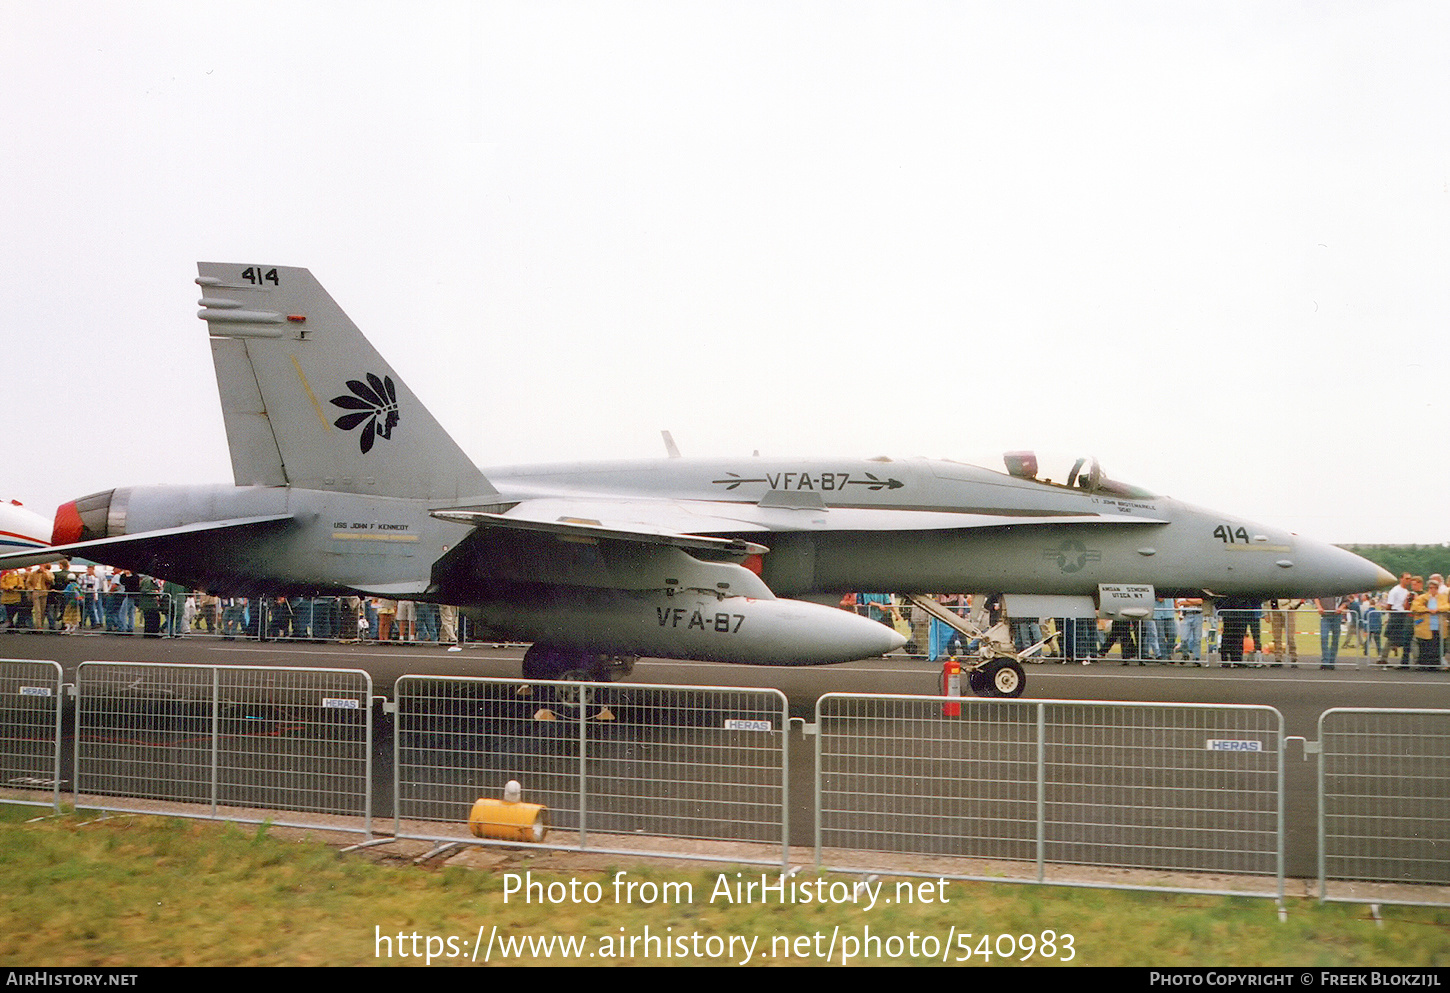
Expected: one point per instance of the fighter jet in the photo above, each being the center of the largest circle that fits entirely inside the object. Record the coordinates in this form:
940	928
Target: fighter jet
344	484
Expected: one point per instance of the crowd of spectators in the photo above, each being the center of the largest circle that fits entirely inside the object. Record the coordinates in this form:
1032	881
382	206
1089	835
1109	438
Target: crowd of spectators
107	601
1404	626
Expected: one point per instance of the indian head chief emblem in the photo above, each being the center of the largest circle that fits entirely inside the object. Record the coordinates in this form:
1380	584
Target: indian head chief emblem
375	402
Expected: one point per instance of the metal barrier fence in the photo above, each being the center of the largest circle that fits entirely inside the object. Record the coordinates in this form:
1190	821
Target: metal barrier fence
628	768
246	738
1384	812
1063	792
30	706
1020	790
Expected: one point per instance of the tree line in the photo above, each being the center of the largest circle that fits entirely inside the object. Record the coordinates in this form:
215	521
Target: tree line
1417	560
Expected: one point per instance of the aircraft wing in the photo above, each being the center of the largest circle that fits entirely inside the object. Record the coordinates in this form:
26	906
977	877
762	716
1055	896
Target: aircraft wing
570	524
129	545
602	545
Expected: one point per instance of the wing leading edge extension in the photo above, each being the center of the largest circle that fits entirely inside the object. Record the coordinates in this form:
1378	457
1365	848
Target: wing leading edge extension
142	545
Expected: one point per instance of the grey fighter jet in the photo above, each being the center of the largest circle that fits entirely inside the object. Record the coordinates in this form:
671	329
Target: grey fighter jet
345	484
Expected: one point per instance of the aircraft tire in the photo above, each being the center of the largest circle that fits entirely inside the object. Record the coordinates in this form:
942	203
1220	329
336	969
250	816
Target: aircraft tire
570	664
977	680
1004	678
547	661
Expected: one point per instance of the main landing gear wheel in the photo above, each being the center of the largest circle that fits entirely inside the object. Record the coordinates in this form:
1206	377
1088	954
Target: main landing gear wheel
575	664
568	690
617	667
1002	678
548	661
569	667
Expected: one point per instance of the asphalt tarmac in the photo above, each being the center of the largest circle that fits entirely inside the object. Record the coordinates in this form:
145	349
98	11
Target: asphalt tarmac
1300	694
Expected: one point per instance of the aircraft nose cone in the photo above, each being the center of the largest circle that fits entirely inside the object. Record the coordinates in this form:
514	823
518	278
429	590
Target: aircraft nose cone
1366	574
1328	570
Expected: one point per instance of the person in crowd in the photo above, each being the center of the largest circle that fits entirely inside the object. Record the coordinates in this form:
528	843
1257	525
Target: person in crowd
1032	632
234	617
874	606
1283	629
1120	632
351	625
1192	608
208	611
299	613
60	578
1165	616
149	602
131	594
39	581
1331	613
13	605
1374	623
1234	621
71	603
91	586
407	619
1397	622
327	617
173	607
1152	641
387	613
1079	638
1352	618
279	618
427	621
943	640
111	600
1444	590
1429	611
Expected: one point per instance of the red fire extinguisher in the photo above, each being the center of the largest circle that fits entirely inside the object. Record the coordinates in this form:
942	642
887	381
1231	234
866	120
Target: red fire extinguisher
951	686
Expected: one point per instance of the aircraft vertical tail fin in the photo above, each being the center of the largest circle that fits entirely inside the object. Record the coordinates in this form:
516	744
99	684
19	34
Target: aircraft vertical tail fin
308	401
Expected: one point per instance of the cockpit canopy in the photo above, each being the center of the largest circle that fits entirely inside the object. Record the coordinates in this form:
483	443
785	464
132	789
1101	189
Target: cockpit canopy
1083	473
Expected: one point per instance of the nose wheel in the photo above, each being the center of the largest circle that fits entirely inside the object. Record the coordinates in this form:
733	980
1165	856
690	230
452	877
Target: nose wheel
998	678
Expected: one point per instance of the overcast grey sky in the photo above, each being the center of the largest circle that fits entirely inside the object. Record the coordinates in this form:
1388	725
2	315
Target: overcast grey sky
1205	242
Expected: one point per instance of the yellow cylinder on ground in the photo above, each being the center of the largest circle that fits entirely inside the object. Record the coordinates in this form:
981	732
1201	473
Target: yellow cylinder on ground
505	821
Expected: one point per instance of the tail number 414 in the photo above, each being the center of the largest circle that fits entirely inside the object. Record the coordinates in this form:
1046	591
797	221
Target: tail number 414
258	276
1229	535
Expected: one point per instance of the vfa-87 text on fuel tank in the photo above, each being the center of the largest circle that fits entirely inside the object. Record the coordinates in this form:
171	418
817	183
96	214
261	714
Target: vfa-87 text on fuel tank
720	622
